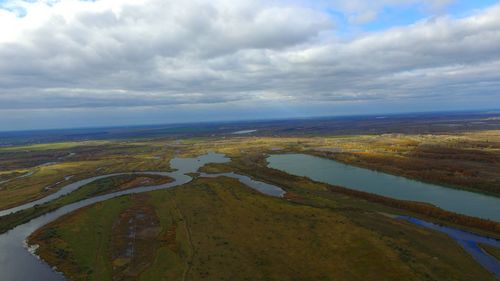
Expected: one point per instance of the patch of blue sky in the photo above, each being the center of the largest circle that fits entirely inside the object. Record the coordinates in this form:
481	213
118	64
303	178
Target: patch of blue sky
387	18
395	16
17	9
9	2
462	8
11	7
341	22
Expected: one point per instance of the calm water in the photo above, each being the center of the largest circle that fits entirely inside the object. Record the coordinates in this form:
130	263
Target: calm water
242	132
468	241
18	264
261	187
63	191
336	173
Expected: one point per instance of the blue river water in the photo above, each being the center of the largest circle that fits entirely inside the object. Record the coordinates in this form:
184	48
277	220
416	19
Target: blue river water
459	201
19	264
469	241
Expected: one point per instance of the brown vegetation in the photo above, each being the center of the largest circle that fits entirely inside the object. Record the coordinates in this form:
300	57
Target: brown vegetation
133	239
423	209
219	229
254	165
99	187
466	162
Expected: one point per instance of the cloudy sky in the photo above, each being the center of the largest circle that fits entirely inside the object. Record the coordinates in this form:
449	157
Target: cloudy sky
75	63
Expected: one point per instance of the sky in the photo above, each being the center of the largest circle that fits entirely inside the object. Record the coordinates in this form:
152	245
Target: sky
75	63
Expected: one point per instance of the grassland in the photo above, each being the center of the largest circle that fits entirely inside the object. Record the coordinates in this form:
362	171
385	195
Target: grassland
254	164
98	187
193	232
469	160
219	229
462	160
49	167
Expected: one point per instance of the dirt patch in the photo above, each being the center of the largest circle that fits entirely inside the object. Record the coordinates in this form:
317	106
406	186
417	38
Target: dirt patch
134	239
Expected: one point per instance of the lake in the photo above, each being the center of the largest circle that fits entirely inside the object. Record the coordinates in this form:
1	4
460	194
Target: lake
336	173
17	263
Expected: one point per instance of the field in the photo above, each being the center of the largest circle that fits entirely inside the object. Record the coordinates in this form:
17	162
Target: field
411	124
99	187
192	232
462	160
218	229
48	167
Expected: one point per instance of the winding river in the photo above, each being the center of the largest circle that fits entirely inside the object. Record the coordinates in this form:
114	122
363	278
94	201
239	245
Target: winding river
17	263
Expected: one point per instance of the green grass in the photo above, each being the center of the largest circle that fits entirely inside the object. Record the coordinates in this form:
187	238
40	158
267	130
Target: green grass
90	231
49	146
316	234
98	187
465	160
82	165
226	231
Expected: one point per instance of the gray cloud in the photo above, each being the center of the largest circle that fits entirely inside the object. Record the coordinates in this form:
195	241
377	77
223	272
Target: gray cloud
163	53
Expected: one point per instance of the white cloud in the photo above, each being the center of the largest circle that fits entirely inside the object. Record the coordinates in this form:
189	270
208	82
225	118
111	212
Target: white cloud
76	54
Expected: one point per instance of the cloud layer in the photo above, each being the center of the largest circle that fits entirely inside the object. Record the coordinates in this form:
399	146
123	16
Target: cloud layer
146	53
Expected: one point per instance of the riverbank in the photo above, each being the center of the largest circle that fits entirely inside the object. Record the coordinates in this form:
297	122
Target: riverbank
248	155
99	187
201	227
462	161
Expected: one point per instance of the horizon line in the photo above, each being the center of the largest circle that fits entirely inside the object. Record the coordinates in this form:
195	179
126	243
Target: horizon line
483	111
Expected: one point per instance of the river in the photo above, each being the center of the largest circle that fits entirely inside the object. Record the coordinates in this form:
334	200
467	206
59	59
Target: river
19	264
458	201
